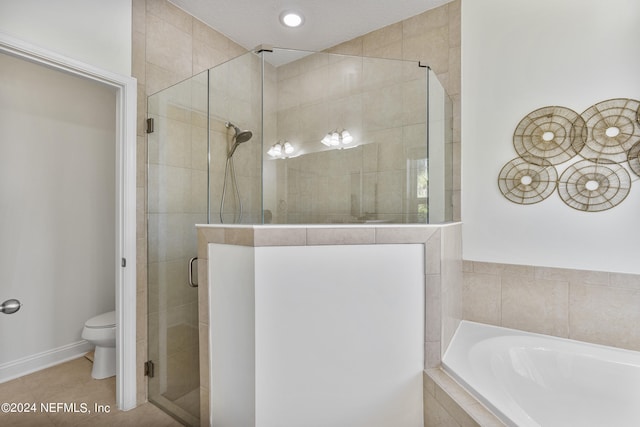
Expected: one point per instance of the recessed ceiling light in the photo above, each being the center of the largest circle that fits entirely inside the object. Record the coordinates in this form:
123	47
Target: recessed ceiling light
291	19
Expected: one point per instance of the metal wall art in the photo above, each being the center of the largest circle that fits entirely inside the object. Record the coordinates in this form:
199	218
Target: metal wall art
527	180
603	141
593	187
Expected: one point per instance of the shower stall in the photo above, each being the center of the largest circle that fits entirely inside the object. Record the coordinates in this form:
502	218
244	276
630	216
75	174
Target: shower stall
280	136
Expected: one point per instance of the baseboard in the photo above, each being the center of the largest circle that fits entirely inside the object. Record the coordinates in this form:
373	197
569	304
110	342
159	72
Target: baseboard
26	365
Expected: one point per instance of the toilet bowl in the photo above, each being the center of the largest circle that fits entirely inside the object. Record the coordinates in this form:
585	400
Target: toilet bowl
101	332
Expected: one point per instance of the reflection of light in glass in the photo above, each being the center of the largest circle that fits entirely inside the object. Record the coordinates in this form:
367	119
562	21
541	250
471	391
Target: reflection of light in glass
275	150
288	148
281	148
335	138
346	137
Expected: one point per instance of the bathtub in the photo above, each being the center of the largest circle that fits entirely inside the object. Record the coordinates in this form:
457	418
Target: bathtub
530	379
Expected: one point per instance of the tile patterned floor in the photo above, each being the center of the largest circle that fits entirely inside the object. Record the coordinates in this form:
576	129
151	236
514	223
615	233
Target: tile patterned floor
71	383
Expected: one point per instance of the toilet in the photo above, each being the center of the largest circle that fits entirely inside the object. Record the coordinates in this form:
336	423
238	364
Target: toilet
101	332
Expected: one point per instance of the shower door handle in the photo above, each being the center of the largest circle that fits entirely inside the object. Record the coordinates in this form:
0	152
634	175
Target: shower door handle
191	261
10	306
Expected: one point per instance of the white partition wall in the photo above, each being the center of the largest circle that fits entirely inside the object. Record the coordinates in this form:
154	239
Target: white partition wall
317	335
232	299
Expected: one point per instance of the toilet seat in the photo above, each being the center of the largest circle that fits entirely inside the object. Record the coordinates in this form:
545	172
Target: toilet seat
101	332
102	321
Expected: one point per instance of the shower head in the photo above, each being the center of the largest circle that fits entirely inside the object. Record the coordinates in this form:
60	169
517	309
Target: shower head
239	137
243	136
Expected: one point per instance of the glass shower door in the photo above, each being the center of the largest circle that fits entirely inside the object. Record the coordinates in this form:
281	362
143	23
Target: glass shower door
177	200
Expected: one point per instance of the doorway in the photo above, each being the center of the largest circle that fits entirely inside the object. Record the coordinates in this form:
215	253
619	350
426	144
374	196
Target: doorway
49	258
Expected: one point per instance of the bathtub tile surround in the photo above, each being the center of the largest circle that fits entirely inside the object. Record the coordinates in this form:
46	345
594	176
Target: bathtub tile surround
605	315
443	287
442	258
591	306
451	286
446	403
544	303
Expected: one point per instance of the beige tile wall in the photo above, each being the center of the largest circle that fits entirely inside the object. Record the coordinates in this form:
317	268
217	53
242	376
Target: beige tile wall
451	266
433	38
371	100
236	97
592	306
382	104
446	403
443	290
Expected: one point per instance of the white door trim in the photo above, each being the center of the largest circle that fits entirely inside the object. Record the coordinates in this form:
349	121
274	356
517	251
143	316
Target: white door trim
126	88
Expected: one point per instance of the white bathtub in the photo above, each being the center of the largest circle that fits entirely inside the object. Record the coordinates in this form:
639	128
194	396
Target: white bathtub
537	380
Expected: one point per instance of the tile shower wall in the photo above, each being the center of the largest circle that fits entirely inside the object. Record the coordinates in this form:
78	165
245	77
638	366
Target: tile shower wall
592	306
168	47
236	96
397	118
383	105
433	38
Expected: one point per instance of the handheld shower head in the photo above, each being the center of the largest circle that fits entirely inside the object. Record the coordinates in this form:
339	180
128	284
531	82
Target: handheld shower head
243	136
239	137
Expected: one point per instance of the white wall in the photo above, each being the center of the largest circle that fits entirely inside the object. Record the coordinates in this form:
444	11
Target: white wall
232	337
339	335
57	210
96	32
317	335
518	56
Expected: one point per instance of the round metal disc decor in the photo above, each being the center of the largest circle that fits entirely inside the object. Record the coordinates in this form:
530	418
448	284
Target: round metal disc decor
633	157
527	183
553	134
593	187
613	129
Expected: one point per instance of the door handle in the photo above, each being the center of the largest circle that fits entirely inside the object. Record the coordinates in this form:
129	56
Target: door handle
10	306
191	261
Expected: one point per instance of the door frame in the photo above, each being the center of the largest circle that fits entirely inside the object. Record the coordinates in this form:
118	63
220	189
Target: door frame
126	93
